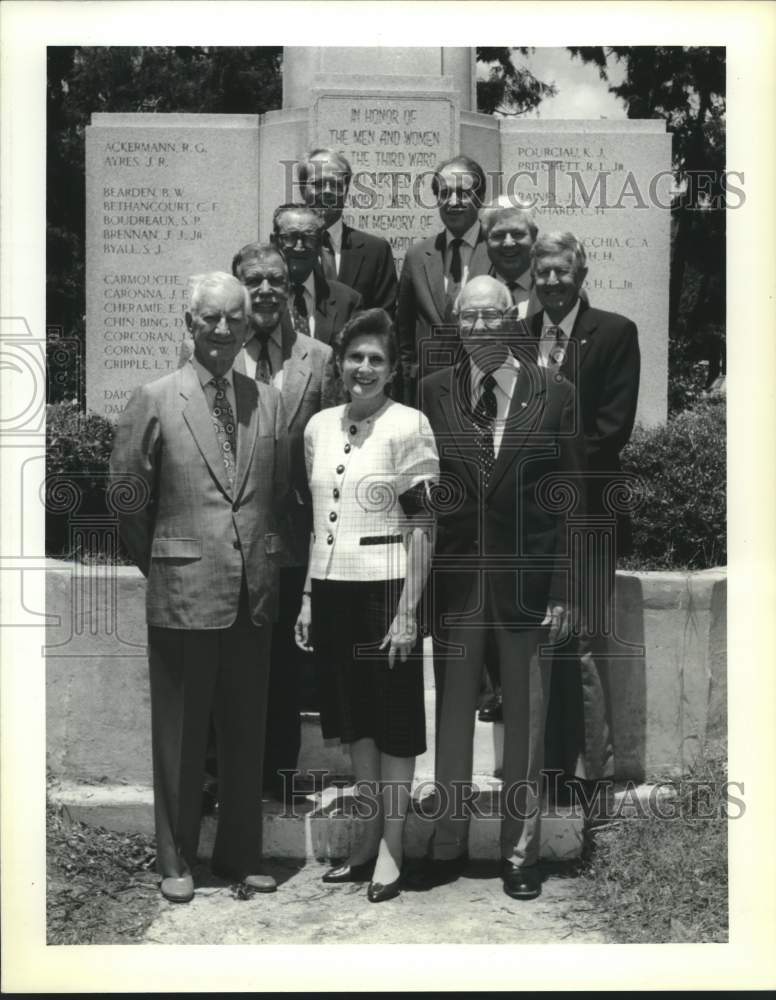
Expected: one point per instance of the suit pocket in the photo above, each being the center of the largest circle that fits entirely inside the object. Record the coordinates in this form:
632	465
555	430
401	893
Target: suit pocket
176	548
273	544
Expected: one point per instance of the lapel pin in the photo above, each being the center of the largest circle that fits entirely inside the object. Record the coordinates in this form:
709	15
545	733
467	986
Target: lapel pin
524	404
583	342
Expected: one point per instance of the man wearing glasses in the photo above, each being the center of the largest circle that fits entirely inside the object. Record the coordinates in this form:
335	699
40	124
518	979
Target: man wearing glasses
436	269
318	306
506	431
360	260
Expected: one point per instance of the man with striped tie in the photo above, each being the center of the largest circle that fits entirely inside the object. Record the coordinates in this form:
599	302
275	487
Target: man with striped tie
510	231
303	370
598	352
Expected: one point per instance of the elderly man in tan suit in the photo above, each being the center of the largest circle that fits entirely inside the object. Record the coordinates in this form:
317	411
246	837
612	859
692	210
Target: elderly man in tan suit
206	449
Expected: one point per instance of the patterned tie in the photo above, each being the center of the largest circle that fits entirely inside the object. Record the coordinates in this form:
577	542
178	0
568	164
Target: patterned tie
484	415
558	349
225	427
513	286
328	258
299	311
263	364
456	270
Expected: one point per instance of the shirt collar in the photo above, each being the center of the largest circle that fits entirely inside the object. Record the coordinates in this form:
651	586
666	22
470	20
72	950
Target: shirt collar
505	376
205	376
568	321
523	280
469	237
335	235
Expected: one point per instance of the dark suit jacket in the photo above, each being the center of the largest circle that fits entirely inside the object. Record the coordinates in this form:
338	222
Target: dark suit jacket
187	531
603	361
423	304
335	303
502	547
367	266
310	384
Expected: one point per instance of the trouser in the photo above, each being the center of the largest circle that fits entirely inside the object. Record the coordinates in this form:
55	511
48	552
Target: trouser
283	738
193	672
524	682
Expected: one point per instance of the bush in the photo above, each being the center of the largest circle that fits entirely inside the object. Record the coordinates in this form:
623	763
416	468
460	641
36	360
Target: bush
78	448
681	522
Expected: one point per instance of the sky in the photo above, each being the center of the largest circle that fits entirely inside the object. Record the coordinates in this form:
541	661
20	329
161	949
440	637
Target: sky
581	93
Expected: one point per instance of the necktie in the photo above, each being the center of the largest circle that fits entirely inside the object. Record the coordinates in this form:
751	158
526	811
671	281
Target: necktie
328	258
455	261
484	415
299	311
225	427
558	348
263	363
513	286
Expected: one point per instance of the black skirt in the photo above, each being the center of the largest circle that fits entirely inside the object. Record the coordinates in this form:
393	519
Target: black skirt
360	696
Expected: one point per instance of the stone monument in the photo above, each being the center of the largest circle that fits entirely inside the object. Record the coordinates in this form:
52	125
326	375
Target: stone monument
170	195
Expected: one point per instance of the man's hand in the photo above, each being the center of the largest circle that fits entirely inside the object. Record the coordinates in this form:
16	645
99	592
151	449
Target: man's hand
558	618
402	636
302	628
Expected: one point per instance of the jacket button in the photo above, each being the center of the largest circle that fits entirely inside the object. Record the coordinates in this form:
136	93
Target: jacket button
330	539
336	494
236	544
235	507
340	469
332	516
347	449
353	428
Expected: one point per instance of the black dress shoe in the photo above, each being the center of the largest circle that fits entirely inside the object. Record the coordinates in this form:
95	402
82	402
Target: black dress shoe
350	873
434	872
379	893
524	882
491	710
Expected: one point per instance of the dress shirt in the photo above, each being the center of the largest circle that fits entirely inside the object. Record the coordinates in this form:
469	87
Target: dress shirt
506	380
466	249
335	235
547	341
205	377
251	352
522	296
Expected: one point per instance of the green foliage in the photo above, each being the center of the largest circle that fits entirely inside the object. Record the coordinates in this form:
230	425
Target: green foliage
681	522
510	89
78	448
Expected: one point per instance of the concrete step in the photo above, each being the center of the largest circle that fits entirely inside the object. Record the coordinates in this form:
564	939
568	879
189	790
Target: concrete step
320	826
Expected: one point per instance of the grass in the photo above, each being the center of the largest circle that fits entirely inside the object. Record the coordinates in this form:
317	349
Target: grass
666	880
100	885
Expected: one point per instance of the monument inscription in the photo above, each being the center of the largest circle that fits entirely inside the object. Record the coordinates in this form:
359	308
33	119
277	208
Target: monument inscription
393	142
163	203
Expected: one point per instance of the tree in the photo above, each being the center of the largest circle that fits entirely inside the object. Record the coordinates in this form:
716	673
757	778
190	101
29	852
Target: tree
686	87
510	89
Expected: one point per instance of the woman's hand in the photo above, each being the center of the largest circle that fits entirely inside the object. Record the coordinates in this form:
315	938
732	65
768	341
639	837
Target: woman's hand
402	636
302	628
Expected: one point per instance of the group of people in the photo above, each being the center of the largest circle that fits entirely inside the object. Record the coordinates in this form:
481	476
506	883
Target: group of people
343	463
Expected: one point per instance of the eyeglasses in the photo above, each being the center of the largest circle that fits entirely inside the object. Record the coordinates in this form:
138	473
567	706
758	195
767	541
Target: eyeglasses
310	241
490	317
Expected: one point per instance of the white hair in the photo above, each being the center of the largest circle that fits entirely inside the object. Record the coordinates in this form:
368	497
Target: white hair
480	279
505	206
215	279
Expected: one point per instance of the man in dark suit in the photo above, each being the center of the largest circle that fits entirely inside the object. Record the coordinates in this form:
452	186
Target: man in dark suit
360	260
506	432
319	307
599	353
436	269
204	449
302	369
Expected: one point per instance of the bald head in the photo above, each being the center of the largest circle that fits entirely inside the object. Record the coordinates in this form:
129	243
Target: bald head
483	292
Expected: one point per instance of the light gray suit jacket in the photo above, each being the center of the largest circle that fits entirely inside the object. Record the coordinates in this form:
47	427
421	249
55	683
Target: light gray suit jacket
188	532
